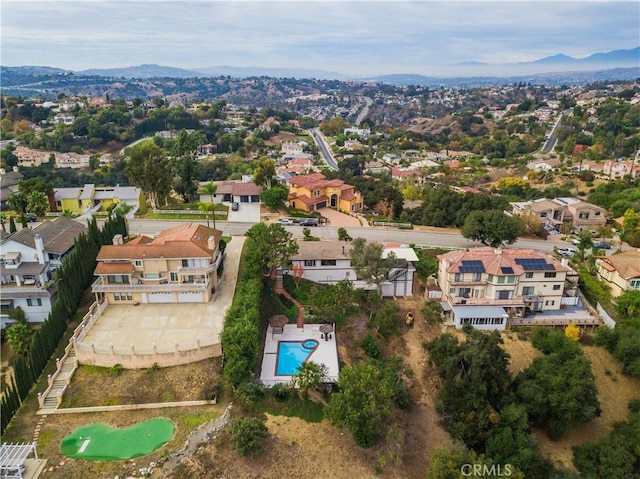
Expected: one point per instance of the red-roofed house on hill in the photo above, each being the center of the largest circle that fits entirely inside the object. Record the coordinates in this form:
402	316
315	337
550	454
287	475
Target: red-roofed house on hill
178	266
314	191
486	286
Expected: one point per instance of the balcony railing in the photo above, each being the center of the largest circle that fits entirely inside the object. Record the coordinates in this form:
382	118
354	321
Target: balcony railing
468	282
99	287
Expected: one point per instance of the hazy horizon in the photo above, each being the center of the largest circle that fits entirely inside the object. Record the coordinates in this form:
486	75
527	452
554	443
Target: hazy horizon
354	38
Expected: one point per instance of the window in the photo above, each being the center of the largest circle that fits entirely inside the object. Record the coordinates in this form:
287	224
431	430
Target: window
597	213
528	275
528	290
137	263
550	274
477	276
503	294
173	276
309	262
34	302
501	279
543	214
458	277
316	193
556	287
117	279
634	284
122	297
185	263
511	279
490	278
549	303
328	262
584	216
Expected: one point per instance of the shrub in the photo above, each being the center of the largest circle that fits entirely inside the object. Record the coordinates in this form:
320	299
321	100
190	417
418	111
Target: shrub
249	393
370	346
247	436
281	392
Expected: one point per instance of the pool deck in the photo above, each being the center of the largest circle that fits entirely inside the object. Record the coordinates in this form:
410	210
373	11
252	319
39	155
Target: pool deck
326	353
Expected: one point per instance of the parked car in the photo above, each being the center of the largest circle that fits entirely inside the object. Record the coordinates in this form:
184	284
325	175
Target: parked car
235	206
285	221
575	241
31	217
601	244
566	251
309	222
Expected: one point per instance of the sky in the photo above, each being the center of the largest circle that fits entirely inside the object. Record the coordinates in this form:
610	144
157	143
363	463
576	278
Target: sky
352	37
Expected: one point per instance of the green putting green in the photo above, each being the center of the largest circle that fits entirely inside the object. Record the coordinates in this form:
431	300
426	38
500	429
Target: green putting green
98	442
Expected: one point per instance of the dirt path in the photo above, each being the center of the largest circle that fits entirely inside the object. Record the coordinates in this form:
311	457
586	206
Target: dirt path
423	434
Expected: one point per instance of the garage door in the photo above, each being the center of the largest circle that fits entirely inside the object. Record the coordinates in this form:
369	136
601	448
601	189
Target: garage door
190	297
160	297
322	204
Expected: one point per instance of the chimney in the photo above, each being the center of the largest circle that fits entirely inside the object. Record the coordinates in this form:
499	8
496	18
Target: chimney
211	243
498	251
117	239
565	262
39	248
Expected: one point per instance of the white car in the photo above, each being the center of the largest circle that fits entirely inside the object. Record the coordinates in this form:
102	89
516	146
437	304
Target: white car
566	251
285	221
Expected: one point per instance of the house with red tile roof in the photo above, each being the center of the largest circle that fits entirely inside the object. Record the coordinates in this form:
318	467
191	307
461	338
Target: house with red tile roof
314	191
485	287
178	266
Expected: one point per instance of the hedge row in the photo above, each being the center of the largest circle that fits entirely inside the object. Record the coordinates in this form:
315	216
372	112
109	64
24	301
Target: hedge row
242	326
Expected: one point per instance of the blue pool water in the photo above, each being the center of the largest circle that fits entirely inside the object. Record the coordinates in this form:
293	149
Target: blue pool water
292	354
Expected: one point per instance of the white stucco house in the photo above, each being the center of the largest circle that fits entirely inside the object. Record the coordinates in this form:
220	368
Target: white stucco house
328	262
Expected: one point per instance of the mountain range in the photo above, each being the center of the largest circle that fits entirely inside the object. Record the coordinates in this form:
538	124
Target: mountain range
551	64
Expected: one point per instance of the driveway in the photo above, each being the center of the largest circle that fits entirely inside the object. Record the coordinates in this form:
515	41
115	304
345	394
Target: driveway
164	324
338	219
247	213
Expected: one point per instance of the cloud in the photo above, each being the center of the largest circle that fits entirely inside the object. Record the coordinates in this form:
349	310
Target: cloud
356	37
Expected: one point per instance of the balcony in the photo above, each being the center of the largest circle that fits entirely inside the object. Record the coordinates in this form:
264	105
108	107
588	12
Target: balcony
468	282
98	287
458	300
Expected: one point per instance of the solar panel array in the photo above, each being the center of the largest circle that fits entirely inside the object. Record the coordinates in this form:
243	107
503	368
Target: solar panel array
472	266
507	269
535	264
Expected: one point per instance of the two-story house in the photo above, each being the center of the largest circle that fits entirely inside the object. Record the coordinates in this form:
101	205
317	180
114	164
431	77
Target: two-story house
620	271
27	261
180	265
89	198
553	213
314	191
485	286
328	262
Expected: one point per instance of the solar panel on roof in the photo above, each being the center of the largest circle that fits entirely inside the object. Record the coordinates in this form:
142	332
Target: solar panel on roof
472	266
507	269
534	264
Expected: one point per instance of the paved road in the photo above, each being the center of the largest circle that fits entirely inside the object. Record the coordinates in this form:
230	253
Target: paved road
550	144
365	111
324	148
138	226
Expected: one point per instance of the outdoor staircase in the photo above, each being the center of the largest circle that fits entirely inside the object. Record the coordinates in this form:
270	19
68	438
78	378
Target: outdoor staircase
67	368
279	287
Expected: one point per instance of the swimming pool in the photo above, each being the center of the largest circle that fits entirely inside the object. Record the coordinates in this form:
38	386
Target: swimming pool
291	354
